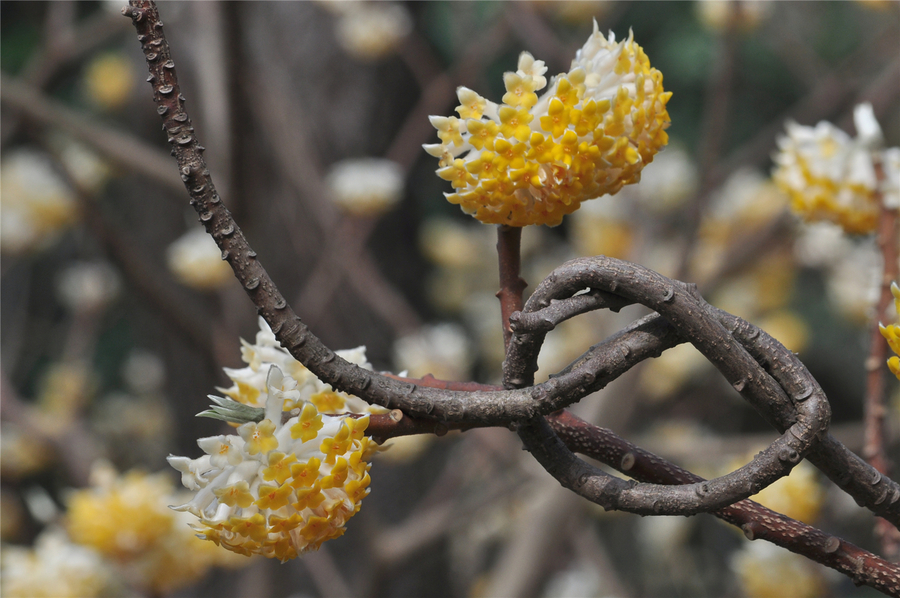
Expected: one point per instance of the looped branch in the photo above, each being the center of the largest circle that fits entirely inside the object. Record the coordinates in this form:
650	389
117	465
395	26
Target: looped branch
769	376
615	283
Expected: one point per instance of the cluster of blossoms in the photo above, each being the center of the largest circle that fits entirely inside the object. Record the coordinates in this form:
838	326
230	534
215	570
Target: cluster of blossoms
56	567
250	386
35	204
892	334
533	160
126	519
831	176
280	488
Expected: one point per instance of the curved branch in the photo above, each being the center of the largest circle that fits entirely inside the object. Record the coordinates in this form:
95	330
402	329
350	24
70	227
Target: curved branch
684	310
769	389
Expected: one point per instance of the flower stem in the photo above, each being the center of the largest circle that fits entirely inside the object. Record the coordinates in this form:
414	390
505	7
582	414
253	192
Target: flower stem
874	407
511	284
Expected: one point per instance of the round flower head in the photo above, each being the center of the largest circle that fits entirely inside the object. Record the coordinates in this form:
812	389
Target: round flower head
532	160
369	31
831	176
279	488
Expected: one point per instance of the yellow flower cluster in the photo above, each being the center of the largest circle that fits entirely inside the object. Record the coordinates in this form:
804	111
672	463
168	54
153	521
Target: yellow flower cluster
127	520
830	176
279	488
249	385
892	334
532	160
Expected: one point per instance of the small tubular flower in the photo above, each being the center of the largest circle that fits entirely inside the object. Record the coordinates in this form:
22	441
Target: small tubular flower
298	387
831	176
591	132
892	334
279	488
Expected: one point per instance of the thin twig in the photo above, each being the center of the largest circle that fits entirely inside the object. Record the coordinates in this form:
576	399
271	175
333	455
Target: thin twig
119	148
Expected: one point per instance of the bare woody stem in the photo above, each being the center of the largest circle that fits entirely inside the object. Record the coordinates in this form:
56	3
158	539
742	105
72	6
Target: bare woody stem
509	242
874	407
756	521
873	448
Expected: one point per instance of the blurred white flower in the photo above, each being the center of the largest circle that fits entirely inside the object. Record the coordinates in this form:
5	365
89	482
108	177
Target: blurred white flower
86	168
144	372
766	570
55	567
820	244
831	176
442	350
35	204
854	281
371	30
88	286
717	14
580	580
196	261
453	244
366	186
668	183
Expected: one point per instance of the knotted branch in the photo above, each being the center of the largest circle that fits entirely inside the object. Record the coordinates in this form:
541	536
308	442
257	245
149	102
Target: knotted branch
777	383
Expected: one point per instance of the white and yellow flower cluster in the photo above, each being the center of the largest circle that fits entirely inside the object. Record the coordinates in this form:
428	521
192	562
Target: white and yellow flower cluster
532	160
892	334
35	204
126	519
56	567
279	488
831	176
250	387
